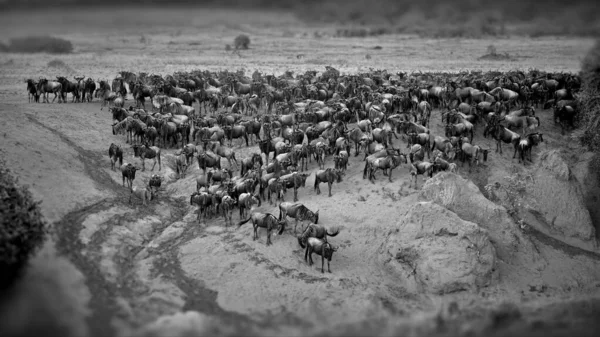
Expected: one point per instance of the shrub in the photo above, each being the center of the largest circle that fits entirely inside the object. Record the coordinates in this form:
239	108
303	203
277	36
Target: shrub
40	44
22	228
241	41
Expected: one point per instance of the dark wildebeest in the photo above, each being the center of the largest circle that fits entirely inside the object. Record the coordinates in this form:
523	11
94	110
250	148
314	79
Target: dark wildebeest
325	249
115	153
44	87
329	176
32	91
128	172
527	144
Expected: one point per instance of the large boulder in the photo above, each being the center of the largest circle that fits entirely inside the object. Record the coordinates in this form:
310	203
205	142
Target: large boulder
444	252
462	197
558	196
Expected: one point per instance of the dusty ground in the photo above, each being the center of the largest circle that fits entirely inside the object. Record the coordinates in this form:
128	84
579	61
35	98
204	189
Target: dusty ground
140	263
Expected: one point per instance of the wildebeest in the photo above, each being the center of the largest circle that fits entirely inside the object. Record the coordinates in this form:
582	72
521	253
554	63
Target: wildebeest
341	160
294	180
325	249
246	201
128	172
44	87
526	145
32	91
316	231
329	176
297	211
389	162
249	163
208	159
90	88
502	134
424	168
68	87
264	220
181	165
203	200
147	152
115	153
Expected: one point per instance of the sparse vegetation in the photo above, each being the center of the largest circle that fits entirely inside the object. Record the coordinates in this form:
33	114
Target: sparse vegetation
39	44
241	41
22	228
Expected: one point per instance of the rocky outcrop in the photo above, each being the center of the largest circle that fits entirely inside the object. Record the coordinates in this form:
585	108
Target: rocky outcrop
462	197
558	196
445	253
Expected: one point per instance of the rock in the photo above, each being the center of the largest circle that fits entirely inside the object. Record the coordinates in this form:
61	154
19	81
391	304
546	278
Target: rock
445	253
559	198
462	197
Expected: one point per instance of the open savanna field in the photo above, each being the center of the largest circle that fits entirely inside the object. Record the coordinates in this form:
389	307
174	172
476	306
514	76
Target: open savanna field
115	268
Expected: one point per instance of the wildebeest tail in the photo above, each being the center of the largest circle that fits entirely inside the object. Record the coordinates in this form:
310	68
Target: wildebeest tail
243	221
335	231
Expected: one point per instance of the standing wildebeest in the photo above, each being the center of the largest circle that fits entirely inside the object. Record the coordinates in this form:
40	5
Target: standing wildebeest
115	152
235	131
389	162
252	128
245	202
264	220
128	172
294	180
328	175
297	211
180	164
144	193
68	87
420	168
249	163
32	91
502	134
525	145
325	249
90	88
147	152
203	200
44	87
341	160
208	159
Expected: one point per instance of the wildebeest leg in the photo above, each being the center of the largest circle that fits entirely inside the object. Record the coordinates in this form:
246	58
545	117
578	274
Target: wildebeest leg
390	175
329	183
269	235
306	253
295	193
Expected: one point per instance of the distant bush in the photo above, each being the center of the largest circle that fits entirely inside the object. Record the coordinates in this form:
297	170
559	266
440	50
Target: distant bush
22	228
40	44
3	48
56	64
241	41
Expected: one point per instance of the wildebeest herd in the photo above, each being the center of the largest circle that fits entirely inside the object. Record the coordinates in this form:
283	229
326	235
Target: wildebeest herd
312	117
